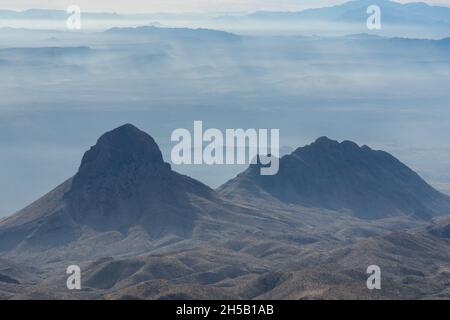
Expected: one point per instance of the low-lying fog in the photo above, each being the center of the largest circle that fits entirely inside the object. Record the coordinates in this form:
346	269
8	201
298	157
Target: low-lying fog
61	90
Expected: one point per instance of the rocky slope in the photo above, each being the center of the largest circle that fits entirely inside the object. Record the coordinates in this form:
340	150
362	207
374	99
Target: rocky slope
344	177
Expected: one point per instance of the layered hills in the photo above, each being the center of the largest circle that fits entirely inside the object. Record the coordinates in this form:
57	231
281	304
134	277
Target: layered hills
138	229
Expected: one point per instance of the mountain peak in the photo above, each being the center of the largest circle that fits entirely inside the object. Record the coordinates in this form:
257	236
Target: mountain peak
124	163
327	145
325	141
336	175
121	148
126	126
124	181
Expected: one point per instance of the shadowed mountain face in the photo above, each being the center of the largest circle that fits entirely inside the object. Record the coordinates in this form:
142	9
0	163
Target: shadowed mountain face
343	176
122	182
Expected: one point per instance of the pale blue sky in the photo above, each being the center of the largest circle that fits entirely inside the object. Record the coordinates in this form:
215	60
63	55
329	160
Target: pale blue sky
179	5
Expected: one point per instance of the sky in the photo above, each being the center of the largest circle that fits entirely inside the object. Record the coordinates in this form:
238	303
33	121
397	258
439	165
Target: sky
130	6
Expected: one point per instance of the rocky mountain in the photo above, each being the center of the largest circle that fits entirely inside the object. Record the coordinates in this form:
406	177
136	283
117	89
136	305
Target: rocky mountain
344	177
122	183
125	201
139	230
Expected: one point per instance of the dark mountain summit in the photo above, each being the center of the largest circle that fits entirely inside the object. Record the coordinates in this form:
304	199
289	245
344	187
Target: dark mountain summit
343	176
123	180
125	144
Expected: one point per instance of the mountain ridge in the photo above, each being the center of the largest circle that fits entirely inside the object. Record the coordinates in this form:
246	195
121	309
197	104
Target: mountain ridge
355	11
125	194
343	176
140	230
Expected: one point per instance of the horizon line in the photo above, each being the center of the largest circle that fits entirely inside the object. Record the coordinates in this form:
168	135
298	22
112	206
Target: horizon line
205	12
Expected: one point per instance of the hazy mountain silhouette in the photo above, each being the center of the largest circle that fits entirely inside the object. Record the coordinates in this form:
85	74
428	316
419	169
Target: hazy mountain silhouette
411	20
343	176
185	34
52	14
408	14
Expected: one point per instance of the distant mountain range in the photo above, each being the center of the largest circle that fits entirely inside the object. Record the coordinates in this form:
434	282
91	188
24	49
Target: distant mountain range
410	19
39	14
352	11
175	33
408	14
